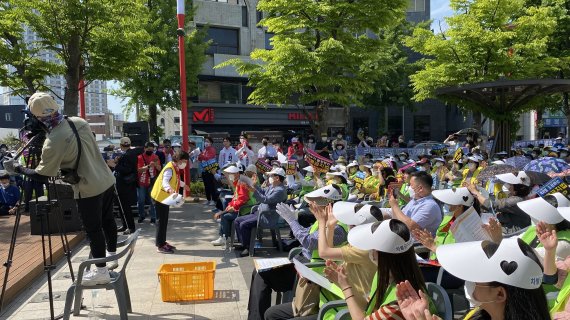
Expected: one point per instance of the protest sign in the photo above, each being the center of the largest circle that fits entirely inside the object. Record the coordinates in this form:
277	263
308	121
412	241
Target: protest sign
263	166
359	180
319	163
458	154
291	167
553	186
210	165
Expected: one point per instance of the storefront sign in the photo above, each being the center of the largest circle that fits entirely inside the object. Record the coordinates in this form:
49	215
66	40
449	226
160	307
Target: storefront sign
321	164
301	116
205	115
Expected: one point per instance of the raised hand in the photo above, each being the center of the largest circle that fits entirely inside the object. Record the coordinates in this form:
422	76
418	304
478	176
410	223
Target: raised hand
412	305
494	230
425	238
547	237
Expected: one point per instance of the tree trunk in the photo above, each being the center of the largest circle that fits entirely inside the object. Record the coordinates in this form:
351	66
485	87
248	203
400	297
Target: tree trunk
73	75
348	123
321	123
502	137
152	115
566	108
477	120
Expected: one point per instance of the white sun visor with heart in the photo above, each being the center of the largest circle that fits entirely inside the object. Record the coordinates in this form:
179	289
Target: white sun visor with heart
545	209
457	196
520	178
353	214
507	265
378	236
324	195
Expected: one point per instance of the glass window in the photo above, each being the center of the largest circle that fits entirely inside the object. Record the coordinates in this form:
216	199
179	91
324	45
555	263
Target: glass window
259	15
176	119
220	92
421	128
176	133
268	45
244	17
224	41
8	116
417	6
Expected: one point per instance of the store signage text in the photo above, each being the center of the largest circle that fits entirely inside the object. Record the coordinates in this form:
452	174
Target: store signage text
302	116
205	115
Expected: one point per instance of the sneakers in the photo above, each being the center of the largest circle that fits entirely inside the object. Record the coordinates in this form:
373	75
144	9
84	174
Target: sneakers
96	276
164	249
218	242
212	203
206	203
169	245
112	264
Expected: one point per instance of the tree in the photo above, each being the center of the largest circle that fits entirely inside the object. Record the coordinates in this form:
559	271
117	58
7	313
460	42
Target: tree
487	40
156	87
93	40
21	67
324	53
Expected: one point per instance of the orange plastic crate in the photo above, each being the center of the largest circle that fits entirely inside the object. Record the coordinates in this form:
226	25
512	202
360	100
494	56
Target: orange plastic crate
187	281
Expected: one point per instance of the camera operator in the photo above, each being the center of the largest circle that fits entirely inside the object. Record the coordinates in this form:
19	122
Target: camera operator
94	191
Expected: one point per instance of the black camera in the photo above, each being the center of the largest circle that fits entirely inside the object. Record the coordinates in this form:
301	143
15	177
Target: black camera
32	125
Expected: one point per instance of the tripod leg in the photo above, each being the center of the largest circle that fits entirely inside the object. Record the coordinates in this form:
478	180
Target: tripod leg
121	210
8	263
63	233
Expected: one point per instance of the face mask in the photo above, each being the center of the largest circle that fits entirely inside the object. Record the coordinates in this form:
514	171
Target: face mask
324	139
372	258
411	192
242	140
505	188
402	158
472	166
563	154
446	209
339	136
339	148
5	185
182	165
438	164
309	174
148	153
469	290
311	141
264	143
421	169
109	154
232	178
206	144
271	180
401	140
3	150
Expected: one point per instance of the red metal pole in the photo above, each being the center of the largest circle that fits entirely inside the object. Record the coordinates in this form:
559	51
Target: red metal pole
82	99
180	13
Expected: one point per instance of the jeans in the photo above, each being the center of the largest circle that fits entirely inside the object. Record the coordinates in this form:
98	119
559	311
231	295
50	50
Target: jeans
226	223
99	222
144	197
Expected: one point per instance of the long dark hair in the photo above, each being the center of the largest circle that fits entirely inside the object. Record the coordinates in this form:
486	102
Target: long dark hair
400	267
528	304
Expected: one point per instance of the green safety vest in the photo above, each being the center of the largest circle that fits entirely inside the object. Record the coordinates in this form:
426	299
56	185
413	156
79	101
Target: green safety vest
560	303
405	191
443	237
530	238
336	292
389	297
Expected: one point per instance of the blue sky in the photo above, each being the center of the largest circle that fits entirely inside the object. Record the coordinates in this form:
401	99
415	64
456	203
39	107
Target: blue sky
439	10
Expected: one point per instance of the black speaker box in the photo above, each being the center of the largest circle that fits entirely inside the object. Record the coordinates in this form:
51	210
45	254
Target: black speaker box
60	191
71	219
138	140
140	127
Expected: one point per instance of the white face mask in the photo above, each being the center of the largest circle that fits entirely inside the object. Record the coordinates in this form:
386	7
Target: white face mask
446	209
206	144
469	290
505	188
339	136
324	139
5	185
421	169
402	158
339	147
232	178
271	180
109	154
438	164
411	192
472	166
182	165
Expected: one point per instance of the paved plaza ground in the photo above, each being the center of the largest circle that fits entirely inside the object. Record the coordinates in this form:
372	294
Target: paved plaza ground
190	230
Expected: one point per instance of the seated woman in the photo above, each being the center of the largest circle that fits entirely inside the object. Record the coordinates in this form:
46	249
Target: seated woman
371	181
282	279
511	217
268	198
240	198
458	200
386	176
341	180
502	281
391	246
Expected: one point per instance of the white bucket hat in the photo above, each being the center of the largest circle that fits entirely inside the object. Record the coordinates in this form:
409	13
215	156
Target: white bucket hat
352	213
324	195
456	196
540	209
277	172
507	265
231	169
309	169
378	236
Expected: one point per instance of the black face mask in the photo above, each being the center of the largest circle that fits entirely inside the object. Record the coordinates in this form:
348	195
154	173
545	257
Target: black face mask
265	143
148	153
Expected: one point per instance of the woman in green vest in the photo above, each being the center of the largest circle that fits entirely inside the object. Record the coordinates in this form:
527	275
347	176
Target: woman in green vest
391	247
458	201
503	281
167	183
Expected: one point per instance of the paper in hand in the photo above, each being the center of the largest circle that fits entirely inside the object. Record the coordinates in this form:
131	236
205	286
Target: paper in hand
174	200
469	227
314	277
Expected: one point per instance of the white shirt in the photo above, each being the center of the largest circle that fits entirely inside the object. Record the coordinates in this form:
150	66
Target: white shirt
267	151
227	155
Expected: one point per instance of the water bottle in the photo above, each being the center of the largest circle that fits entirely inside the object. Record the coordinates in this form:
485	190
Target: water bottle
94	296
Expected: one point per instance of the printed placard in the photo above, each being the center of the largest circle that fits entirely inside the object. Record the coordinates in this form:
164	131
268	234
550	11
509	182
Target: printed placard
263	166
210	165
359	180
291	167
553	186
320	163
458	154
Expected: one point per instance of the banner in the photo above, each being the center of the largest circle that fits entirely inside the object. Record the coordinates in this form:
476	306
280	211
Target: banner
319	163
359	180
263	166
210	165
458	154
553	186
291	167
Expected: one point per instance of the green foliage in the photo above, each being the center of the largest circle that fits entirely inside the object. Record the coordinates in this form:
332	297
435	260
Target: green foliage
11	141
197	188
156	86
322	52
487	40
93	40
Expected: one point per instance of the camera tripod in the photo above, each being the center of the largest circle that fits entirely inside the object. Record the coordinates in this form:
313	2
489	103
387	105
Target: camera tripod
43	212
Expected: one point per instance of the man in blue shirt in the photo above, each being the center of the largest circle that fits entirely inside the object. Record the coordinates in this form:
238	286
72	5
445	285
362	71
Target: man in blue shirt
9	195
422	211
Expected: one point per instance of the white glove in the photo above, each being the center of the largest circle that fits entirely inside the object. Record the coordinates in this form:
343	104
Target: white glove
10	166
287	212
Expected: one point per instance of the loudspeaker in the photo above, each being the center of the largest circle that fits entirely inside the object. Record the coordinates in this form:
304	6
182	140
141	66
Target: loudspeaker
138	140
71	219
60	191
140	127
